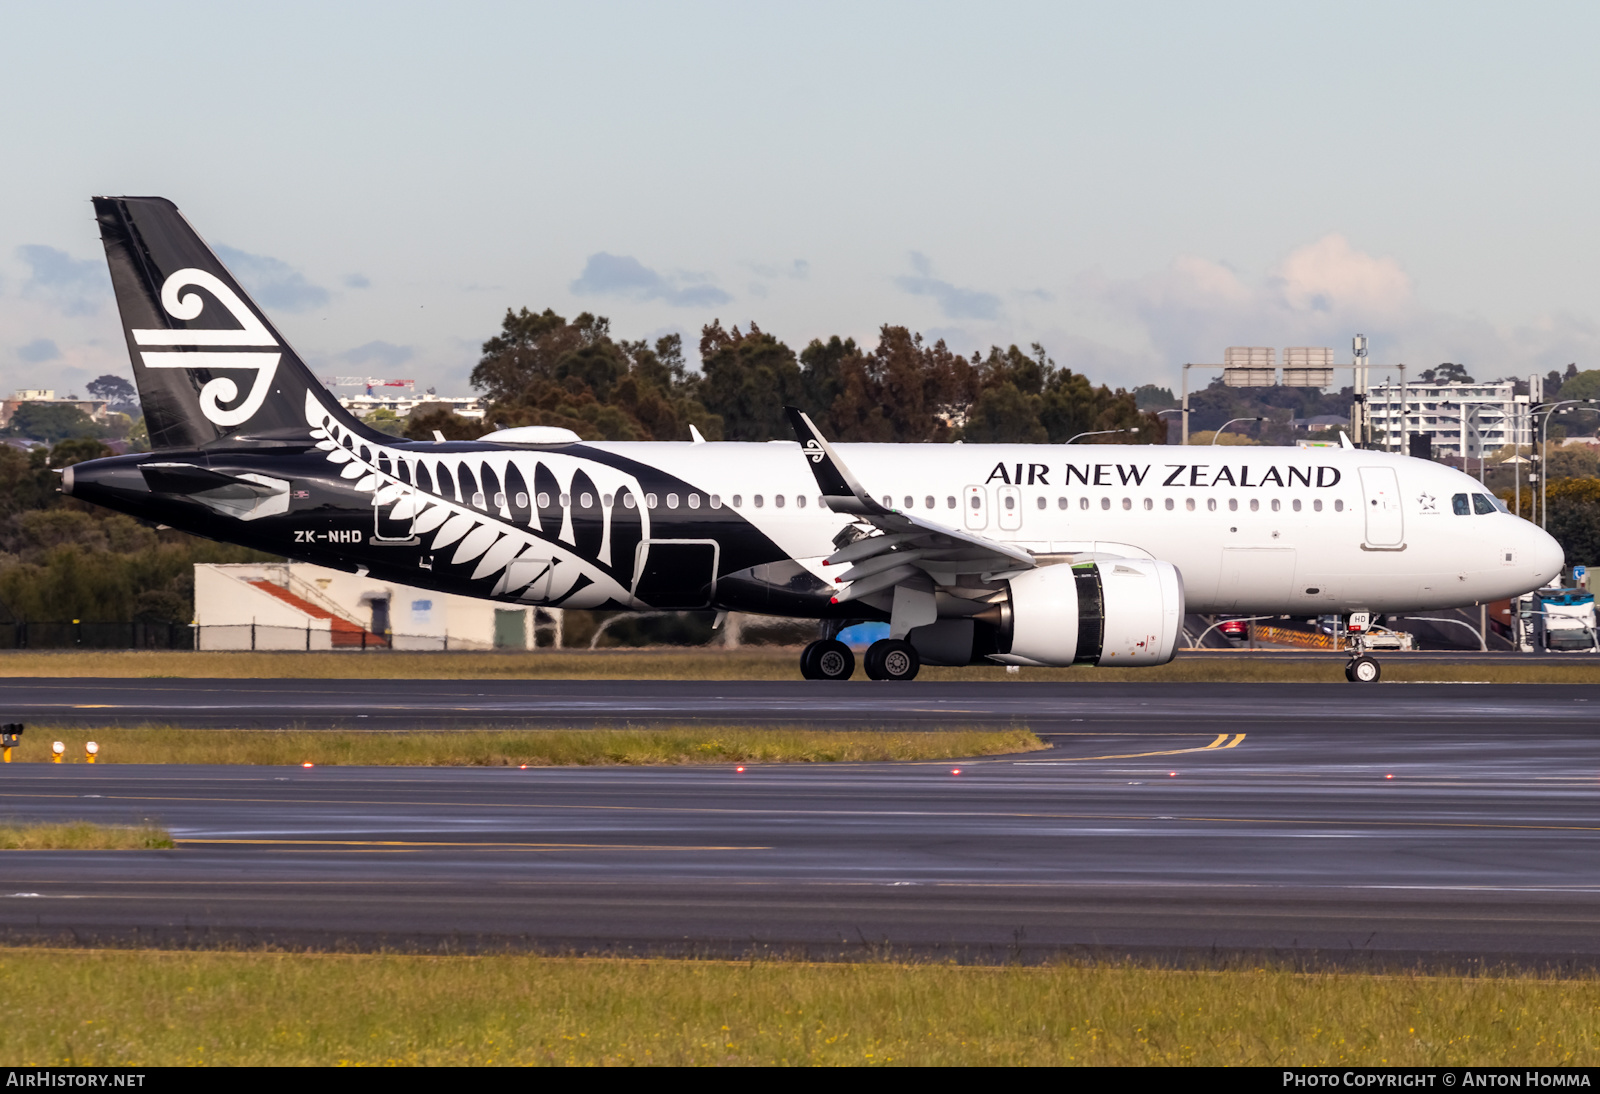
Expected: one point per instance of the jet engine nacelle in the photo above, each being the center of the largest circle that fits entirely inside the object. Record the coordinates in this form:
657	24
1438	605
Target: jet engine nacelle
1116	612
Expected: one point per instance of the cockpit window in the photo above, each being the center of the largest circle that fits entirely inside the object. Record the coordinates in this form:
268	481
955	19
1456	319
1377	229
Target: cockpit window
1461	505
1483	503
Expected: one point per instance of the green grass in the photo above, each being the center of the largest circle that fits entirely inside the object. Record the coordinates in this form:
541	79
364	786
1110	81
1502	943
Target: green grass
81	836
511	748
142	1008
764	663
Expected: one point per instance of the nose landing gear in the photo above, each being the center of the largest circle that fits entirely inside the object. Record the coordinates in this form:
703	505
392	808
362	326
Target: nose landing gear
1363	670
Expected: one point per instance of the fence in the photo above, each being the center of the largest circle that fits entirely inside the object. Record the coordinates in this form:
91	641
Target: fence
87	634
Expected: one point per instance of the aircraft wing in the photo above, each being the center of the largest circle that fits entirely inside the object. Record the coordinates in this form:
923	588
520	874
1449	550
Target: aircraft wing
901	546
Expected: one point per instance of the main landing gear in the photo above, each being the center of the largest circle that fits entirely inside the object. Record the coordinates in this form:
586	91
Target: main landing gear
830	659
827	659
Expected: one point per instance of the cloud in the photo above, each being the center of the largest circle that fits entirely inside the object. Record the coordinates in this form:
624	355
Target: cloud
70	285
1320	294
357	281
40	349
798	270
954	302
626	277
378	353
273	282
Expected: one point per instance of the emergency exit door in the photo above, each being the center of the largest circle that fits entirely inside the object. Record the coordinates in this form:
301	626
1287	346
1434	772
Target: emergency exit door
975	504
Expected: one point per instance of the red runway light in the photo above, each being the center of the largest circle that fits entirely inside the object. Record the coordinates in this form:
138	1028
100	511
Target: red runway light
955	771
306	764
1172	774
1388	776
739	769
524	767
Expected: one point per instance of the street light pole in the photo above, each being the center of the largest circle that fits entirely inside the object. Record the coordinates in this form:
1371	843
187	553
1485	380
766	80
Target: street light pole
1229	422
1103	432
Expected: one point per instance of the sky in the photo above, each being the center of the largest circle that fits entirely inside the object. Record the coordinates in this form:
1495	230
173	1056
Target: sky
1132	185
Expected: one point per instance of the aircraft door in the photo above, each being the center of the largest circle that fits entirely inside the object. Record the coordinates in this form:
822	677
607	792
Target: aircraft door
392	517
975	503
1380	490
676	573
1010	500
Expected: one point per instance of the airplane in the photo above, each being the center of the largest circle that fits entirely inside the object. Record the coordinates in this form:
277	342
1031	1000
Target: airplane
1005	554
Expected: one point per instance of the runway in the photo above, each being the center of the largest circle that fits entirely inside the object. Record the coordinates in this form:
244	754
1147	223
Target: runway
1444	824
1047	707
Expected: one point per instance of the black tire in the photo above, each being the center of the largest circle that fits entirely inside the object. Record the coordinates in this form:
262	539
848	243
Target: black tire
892	659
1364	670
827	659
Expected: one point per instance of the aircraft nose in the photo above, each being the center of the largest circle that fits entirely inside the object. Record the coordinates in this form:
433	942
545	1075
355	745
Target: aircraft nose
1545	554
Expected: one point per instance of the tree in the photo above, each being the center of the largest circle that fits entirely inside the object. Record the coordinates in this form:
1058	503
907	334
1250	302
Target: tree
1446	373
51	422
747	380
117	392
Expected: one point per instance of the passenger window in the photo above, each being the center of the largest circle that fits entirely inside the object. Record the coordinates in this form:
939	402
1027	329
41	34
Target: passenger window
1011	502
694	501
1233	505
1105	503
911	503
950	502
499	501
586	500
1061	503
1188	503
1338	505
1316	506
888	502
606	500
1276	505
716	501
1296	504
522	501
1169	505
977	503
1482	504
777	500
672	501
1127	503
737	501
627	500
1083	503
544	501
1255	505
1460	504
649	500
566	500
1042	501
928	502
477	499
758	502
799	501
1211	504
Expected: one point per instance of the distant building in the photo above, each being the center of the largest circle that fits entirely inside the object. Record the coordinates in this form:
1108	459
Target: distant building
467	406
1320	423
96	409
298	606
1461	419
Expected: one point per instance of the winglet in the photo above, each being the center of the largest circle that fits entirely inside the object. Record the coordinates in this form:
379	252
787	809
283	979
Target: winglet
839	488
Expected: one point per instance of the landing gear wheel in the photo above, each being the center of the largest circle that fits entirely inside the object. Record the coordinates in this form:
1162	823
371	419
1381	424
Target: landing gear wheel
892	659
1363	670
827	659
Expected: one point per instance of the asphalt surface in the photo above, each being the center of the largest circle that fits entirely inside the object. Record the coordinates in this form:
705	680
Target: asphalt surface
1047	707
1449	825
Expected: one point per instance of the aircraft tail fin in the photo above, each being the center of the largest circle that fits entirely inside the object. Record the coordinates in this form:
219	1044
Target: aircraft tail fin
209	365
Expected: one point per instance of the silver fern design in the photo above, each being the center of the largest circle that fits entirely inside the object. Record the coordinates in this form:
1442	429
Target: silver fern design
501	516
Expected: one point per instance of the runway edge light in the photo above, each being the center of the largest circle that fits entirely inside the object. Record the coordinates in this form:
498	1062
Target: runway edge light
90	751
57	750
10	734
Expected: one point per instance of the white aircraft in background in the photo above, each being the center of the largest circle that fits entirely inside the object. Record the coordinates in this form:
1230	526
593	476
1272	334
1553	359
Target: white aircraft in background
1009	554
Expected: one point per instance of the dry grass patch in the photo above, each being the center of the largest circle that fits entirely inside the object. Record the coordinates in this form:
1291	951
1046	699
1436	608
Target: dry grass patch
82	836
536	747
151	1008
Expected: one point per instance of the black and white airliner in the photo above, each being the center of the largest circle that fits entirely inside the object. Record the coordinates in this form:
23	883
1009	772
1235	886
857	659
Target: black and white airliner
996	554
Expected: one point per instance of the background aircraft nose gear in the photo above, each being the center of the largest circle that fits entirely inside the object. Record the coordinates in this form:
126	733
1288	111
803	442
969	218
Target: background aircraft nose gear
892	659
1363	670
827	659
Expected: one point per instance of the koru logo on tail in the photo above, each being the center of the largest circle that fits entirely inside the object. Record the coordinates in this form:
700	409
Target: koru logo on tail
813	451
251	332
